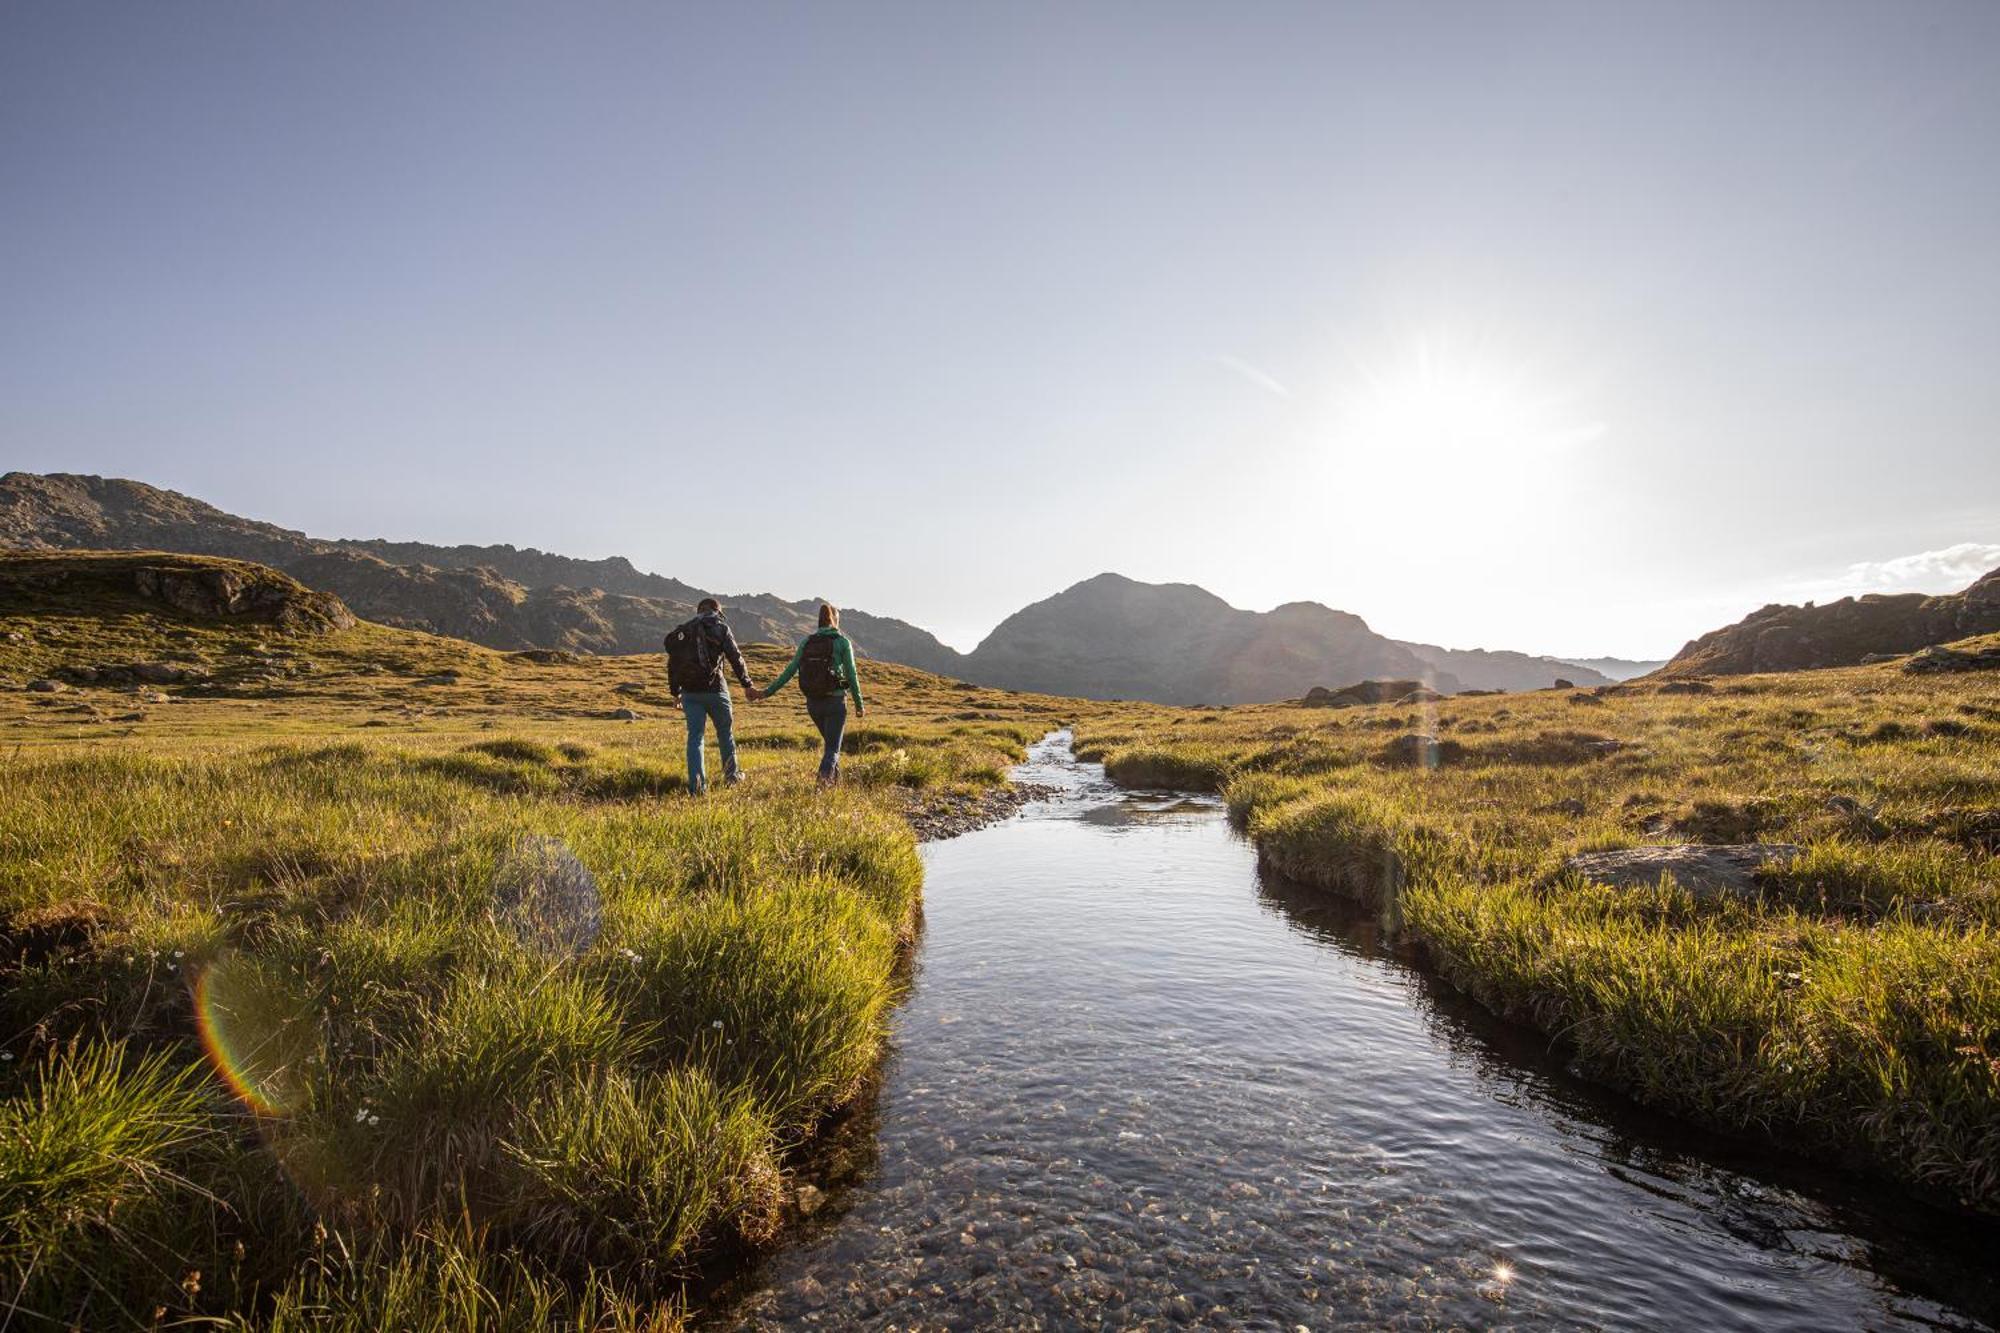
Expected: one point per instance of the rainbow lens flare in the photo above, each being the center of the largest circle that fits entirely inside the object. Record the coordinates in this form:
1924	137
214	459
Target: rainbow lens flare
258	1032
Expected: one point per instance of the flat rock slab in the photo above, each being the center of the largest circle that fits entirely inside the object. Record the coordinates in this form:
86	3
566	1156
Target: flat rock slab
1706	871
1938	658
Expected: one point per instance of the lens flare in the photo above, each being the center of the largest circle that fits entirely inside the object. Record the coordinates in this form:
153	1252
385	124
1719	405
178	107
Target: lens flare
259	1035
547	898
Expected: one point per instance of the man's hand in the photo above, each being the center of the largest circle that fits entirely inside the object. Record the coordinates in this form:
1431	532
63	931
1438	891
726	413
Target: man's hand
752	693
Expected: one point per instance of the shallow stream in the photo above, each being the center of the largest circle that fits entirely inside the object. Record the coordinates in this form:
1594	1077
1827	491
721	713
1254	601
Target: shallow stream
1135	1084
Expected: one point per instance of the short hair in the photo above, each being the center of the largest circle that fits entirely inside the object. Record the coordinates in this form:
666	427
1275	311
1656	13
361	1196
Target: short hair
708	604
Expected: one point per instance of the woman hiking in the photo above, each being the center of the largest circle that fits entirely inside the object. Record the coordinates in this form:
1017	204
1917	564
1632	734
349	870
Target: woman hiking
824	665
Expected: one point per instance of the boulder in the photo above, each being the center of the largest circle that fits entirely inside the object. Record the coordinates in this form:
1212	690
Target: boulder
623	715
629	687
1708	872
1937	658
46	686
166	673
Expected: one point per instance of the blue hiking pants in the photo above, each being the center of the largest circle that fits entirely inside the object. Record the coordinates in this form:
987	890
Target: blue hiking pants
830	716
702	707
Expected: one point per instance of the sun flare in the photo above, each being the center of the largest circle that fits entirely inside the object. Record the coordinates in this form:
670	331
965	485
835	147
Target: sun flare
1446	403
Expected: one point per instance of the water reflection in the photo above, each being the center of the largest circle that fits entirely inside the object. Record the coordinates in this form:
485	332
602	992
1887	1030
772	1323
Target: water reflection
1135	1084
1764	1199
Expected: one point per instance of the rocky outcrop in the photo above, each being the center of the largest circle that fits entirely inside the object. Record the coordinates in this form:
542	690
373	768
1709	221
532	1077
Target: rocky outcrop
1368	692
1939	659
195	587
233	590
1842	633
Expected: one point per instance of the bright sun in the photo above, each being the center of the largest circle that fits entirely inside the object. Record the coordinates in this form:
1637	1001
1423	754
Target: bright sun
1442	404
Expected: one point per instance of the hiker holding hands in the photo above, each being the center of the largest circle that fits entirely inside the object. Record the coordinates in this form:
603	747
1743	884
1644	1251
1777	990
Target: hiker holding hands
696	651
824	665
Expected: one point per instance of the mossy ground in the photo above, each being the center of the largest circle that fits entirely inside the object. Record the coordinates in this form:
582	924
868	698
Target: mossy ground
310	1018
1851	1006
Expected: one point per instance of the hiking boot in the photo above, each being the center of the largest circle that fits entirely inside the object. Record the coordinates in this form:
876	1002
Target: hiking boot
734	777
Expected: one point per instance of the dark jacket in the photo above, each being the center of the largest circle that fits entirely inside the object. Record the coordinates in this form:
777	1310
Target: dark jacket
716	629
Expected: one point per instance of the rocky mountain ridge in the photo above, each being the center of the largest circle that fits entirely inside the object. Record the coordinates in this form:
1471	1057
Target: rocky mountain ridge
500	596
1843	633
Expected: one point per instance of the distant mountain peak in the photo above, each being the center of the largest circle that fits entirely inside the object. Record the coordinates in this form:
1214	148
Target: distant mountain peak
1111	636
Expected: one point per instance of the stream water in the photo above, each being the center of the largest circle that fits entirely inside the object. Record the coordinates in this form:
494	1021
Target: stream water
1135	1085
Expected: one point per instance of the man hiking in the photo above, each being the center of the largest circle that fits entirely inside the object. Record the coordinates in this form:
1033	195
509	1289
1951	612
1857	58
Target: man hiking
695	654
824	664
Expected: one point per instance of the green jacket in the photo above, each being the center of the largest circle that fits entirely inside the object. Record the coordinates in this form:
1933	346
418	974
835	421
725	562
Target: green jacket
843	662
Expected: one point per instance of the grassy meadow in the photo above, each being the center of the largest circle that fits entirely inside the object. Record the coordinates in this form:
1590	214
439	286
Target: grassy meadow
366	979
1849	1006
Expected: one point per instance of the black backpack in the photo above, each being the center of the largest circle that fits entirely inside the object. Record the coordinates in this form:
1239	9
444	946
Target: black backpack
819	677
691	656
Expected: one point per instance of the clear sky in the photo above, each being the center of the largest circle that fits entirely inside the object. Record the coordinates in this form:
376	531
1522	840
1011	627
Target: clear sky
1574	328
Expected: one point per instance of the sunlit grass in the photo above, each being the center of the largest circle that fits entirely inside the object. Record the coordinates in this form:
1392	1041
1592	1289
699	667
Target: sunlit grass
408	1097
